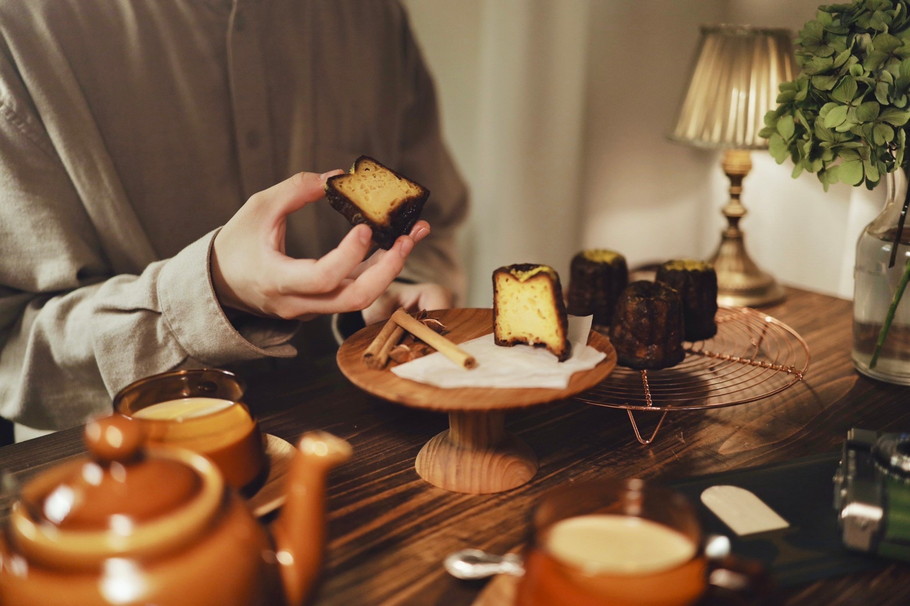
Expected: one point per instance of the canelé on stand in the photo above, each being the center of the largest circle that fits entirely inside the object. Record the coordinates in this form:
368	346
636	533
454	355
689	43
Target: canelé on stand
528	308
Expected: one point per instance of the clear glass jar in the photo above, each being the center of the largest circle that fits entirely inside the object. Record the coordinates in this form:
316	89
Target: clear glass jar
880	350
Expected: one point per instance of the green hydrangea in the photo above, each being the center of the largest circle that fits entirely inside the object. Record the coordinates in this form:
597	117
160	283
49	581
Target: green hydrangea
845	115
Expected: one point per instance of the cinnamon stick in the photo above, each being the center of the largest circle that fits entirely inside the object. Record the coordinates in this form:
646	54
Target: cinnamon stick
433	339
377	353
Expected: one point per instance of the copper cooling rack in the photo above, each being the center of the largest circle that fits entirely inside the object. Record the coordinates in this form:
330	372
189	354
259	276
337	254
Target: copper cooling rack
751	357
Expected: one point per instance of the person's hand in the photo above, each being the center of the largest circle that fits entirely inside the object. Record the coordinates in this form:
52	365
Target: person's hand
413	297
252	273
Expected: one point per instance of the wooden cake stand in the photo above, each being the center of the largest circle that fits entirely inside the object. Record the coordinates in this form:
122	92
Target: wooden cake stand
476	455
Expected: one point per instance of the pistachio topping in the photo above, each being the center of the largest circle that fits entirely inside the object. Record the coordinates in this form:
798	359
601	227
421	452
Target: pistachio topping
525	272
688	265
600	255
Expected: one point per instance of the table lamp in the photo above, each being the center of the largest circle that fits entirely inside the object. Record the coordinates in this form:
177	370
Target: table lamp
733	83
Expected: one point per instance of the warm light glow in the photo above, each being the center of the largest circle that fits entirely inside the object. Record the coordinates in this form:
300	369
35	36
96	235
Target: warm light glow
122	581
733	84
59	503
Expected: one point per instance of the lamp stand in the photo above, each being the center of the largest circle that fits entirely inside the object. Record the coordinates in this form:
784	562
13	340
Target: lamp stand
740	282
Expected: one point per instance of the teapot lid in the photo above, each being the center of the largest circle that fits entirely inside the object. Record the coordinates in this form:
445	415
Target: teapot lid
124	500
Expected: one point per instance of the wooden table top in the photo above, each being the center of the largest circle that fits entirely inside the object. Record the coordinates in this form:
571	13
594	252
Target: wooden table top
389	530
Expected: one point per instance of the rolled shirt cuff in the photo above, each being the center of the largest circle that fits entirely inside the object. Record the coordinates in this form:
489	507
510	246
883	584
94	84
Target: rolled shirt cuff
194	315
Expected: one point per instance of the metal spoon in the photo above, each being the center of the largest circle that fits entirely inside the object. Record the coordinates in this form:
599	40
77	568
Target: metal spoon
473	564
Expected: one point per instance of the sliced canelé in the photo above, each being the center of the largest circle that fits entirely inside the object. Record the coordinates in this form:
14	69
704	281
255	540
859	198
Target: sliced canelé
528	308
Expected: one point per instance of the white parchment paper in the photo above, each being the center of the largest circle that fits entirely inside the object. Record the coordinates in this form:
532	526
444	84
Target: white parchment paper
517	366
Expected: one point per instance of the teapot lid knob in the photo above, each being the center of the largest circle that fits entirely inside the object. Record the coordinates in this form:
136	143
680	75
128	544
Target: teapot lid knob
114	438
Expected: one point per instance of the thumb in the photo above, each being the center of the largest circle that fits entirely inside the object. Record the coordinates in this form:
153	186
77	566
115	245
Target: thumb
295	192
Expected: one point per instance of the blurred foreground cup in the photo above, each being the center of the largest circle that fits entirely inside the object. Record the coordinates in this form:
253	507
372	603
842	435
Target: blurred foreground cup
201	410
615	542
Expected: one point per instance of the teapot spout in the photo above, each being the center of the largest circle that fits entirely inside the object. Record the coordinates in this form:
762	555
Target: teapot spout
300	529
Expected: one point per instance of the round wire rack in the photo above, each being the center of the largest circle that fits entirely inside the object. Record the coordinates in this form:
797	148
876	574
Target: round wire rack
751	357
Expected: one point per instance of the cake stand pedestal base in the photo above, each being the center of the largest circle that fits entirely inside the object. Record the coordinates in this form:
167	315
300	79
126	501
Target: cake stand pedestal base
476	455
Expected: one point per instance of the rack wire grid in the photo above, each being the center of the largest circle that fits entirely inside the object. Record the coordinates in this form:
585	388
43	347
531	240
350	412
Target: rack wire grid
752	356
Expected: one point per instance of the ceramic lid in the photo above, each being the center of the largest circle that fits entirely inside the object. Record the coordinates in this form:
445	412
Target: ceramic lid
124	499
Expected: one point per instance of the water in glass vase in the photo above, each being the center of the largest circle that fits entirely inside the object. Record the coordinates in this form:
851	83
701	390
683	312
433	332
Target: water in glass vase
874	286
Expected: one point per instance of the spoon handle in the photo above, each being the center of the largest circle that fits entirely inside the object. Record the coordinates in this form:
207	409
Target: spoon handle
472	564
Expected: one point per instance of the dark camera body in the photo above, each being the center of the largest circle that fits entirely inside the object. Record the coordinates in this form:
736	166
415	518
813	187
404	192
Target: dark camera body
872	493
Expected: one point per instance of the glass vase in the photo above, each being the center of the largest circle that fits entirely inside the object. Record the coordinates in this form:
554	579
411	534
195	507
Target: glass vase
881	312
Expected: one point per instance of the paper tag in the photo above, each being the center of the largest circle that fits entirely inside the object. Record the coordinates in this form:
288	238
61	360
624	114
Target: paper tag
741	510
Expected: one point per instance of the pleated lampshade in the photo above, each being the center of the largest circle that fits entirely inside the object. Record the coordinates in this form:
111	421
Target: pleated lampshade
734	82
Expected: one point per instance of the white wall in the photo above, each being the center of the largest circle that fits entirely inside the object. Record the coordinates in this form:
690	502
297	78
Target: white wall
557	111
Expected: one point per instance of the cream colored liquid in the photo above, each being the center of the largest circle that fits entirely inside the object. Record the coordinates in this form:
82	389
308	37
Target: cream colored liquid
185	408
617	544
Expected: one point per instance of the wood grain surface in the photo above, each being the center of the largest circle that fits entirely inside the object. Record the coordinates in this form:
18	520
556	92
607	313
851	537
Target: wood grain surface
389	530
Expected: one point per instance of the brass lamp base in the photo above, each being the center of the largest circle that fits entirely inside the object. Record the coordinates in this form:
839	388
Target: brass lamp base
740	282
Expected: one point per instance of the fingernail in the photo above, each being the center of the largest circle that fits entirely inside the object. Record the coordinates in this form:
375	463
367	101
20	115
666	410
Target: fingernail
422	232
365	235
331	173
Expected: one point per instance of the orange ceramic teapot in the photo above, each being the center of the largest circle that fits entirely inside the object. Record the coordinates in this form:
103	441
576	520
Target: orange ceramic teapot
157	525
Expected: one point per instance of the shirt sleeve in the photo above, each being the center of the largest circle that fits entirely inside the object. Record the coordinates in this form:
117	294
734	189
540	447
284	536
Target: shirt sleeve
72	330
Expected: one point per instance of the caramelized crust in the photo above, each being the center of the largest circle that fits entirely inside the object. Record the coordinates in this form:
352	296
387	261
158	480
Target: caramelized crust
696	282
647	329
598	277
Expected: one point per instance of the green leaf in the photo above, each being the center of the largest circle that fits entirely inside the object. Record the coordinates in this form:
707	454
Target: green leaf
850	172
879	21
835	115
868	111
786	127
882	90
812	33
824	82
845	92
778	148
901	147
818	65
871	172
828	176
886	43
882	134
895	117
841	59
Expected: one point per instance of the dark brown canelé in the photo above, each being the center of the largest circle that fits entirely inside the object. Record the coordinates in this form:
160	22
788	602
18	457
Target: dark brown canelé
528	308
598	276
647	329
696	282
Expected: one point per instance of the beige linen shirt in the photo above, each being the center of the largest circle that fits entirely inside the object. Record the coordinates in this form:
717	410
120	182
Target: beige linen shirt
130	130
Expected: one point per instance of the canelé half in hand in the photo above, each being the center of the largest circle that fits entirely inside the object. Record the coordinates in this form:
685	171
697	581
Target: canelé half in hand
374	194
